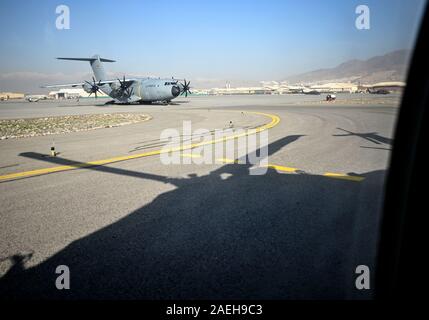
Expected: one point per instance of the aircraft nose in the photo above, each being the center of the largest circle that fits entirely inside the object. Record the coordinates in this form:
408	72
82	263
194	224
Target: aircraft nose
175	91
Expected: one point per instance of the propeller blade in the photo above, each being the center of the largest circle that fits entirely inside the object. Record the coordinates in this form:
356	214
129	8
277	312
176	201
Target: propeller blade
94	87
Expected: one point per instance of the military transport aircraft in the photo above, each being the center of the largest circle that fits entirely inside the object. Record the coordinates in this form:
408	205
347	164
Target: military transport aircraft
124	91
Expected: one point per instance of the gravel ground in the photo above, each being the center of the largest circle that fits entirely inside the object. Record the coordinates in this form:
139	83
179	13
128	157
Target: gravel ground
20	128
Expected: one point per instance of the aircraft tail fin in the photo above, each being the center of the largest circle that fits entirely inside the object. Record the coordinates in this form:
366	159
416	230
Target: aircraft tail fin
96	65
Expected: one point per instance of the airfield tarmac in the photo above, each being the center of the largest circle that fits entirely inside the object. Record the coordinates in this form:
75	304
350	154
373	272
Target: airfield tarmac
137	228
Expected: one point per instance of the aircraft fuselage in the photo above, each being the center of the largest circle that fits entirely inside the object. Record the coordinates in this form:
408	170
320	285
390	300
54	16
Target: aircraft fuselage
145	90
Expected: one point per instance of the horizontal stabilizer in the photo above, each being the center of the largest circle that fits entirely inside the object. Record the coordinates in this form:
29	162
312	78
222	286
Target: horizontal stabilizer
87	59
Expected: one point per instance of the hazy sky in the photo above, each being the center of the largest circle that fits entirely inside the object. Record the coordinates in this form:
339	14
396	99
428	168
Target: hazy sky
205	41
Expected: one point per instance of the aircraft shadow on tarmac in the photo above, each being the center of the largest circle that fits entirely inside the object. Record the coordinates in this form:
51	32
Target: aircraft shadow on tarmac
278	236
373	137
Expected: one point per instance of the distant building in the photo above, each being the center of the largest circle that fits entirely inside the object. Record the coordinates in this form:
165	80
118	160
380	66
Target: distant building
336	87
11	95
72	93
283	87
392	86
239	90
276	87
200	91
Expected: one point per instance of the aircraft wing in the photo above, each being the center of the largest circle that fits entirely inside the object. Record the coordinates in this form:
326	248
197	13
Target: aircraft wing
64	85
100	83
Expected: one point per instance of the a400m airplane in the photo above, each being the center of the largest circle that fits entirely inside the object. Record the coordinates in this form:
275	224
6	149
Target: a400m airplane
124	91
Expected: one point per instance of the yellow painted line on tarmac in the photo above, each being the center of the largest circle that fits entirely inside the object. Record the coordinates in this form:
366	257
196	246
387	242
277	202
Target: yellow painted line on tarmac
281	168
274	121
343	176
333	175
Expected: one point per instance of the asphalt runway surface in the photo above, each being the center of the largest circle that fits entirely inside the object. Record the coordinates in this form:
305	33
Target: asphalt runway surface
140	229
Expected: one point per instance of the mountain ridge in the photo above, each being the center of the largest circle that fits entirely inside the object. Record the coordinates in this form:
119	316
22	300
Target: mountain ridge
389	67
